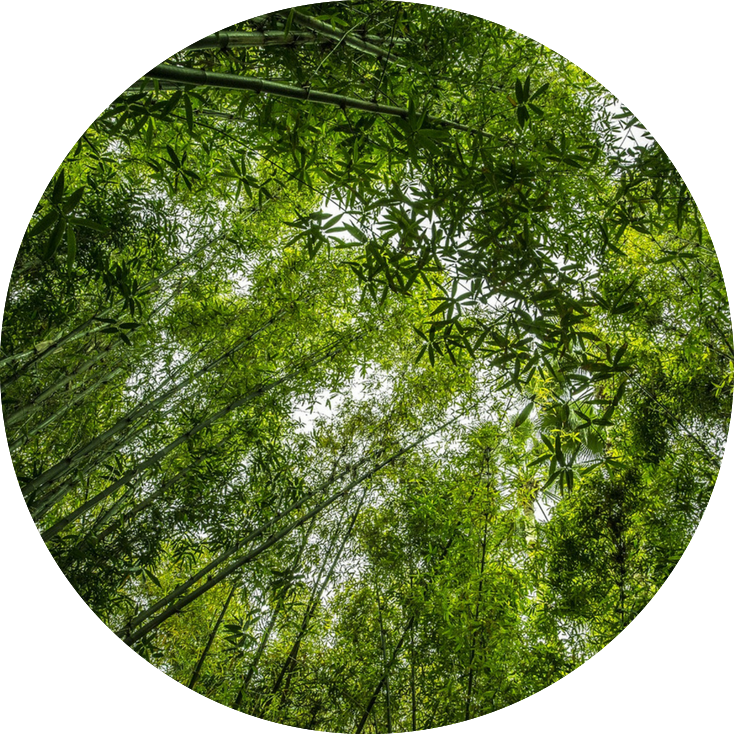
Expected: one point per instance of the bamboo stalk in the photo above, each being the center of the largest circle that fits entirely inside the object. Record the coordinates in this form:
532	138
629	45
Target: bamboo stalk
235	39
40	507
470	684
386	670
212	635
73	334
425	580
317	591
254	535
201	78
177	606
93	388
262	389
150	498
332	33
65	465
34	404
271	624
232	39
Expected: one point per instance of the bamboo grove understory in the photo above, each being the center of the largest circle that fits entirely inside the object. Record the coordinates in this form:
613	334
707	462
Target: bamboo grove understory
366	367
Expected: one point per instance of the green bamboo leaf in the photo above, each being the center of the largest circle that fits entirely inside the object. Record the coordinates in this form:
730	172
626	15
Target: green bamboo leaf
89	224
552	476
537	110
519	92
542	89
620	353
149	132
412	116
624	308
70	248
153	578
45	222
58	192
547	294
420	334
288	23
441	307
620	393
522	115
189	113
330	225
356	232
73	200
523	415
52	245
558	451
173	156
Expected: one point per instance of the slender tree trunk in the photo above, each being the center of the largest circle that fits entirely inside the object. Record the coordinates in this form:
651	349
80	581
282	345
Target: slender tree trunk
470	684
319	587
235	39
378	689
271	624
99	536
25	437
425	580
104	313
57	527
414	725
386	670
178	602
34	404
254	535
212	635
347	38
65	465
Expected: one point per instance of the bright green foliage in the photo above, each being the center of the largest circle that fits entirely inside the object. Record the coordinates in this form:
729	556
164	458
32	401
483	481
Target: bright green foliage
366	367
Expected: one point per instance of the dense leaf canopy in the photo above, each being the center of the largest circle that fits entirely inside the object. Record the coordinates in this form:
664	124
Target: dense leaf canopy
366	367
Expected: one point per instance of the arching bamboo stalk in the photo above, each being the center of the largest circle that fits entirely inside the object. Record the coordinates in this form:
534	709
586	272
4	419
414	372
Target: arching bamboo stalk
201	78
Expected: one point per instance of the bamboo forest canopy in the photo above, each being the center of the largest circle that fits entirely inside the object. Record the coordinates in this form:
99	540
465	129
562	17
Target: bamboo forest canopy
366	366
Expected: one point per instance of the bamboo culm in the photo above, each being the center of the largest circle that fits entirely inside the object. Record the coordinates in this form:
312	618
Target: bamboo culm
262	389
254	535
236	39
65	465
106	312
34	404
210	640
318	589
201	78
265	638
177	606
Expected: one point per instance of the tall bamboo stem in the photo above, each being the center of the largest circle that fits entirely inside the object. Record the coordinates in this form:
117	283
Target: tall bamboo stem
201	78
